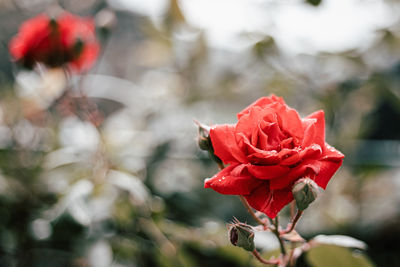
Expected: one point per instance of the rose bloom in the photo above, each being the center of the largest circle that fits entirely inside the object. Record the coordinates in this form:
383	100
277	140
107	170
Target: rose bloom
67	40
268	150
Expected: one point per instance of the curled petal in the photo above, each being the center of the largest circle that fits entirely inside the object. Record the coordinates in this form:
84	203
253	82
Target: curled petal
274	133
264	158
314	129
267	172
309	132
261	102
224	144
250	121
266	135
289	157
257	156
287	143
233	180
312	151
307	168
330	153
267	141
289	120
269	201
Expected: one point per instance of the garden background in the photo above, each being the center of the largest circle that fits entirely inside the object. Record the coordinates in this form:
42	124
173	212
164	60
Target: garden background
130	191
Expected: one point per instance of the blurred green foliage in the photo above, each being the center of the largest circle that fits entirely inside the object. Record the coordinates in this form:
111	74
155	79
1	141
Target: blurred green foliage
329	255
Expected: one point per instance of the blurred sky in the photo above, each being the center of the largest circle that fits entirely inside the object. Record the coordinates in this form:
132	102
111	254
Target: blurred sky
334	26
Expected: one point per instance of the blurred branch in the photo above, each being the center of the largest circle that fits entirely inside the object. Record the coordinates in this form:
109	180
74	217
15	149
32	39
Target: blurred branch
264	223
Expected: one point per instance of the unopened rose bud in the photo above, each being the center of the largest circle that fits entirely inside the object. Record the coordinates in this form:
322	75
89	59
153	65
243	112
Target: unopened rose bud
204	140
305	191
242	235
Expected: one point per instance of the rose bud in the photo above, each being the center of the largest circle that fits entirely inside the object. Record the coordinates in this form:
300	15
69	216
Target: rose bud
204	141
242	235
305	191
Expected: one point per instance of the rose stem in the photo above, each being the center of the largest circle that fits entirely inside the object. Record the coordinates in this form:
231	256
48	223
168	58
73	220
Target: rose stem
291	225
292	208
262	260
250	210
276	232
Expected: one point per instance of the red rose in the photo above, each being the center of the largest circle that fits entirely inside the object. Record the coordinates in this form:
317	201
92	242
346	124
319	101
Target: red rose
67	40
268	150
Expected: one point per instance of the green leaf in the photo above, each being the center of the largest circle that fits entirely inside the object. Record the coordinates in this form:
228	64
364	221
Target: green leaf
334	256
314	2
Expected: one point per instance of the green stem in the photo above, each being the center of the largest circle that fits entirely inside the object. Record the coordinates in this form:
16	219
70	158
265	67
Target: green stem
276	232
250	210
292	225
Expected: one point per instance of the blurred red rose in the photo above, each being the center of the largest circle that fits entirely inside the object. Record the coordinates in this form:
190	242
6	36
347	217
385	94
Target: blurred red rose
67	40
268	150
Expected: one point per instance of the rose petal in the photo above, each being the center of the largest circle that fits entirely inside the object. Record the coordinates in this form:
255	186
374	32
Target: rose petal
250	121
257	156
224	144
254	136
289	157
261	102
232	180
267	172
312	151
289	120
314	133
262	139
269	201
310	131
264	158
269	136
274	133
31	33
327	170
287	143
309	167
330	153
